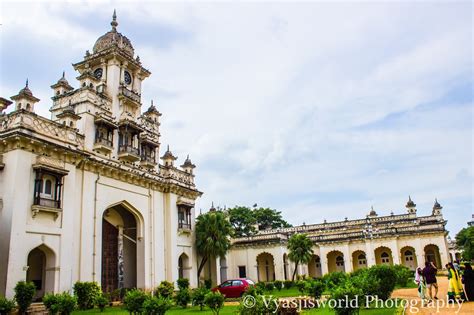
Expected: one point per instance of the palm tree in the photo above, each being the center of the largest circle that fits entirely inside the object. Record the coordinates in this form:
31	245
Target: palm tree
213	232
300	249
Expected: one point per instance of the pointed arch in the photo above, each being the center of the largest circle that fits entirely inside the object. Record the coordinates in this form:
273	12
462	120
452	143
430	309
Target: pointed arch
41	262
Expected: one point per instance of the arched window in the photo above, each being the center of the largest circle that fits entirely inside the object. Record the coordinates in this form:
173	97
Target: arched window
47	187
339	261
361	259
408	255
385	258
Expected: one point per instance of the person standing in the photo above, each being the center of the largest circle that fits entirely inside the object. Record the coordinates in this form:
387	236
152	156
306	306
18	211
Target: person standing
455	290
420	281
468	280
429	273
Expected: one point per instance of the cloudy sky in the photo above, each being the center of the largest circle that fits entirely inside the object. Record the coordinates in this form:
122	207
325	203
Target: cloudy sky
318	110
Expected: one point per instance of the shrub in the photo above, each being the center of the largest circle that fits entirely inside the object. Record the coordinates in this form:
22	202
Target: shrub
165	289
208	283
365	281
253	291
183	283
134	300
346	292
278	284
101	301
260	286
215	301
6	305
333	279
183	297
315	288
198	297
24	293
86	294
259	307
156	305
288	284
66	303
50	301
269	286
386	278
404	274
301	285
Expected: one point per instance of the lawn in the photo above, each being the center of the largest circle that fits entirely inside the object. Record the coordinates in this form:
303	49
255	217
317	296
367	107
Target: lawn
231	309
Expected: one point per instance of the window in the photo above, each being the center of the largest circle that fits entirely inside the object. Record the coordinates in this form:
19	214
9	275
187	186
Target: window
339	261
362	259
237	283
226	284
47	187
184	217
385	258
242	272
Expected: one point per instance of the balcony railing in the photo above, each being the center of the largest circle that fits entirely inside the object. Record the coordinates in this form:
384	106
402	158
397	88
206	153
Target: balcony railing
129	94
45	202
148	158
103	141
184	225
128	149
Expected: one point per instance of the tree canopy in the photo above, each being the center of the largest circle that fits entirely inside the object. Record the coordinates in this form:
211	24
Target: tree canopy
465	241
300	250
244	220
213	232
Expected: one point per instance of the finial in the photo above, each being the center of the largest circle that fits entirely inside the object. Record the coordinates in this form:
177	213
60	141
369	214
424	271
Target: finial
26	82
151	102
187	157
64	74
168	148
409	198
114	21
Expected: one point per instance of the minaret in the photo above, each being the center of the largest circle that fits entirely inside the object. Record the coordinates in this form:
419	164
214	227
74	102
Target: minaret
25	100
437	208
188	166
68	116
372	213
61	87
168	158
411	206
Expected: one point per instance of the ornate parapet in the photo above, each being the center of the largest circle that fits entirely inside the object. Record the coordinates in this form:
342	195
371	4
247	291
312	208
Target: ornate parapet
41	127
177	176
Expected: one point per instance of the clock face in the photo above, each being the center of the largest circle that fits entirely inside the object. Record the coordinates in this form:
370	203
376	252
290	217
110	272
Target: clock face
127	78
98	73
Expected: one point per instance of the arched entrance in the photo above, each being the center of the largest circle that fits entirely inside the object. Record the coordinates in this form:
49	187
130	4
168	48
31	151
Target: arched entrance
335	261
285	266
409	257
314	267
383	256
183	266
121	247
432	255
265	267
359	260
41	263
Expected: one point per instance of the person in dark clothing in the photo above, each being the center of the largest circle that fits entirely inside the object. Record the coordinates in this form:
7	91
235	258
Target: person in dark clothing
468	281
429	272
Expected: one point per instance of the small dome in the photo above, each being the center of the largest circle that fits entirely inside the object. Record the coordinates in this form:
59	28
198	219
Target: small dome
436	205
410	203
114	38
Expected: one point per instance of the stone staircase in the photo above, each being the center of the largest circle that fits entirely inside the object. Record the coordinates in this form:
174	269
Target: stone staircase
37	309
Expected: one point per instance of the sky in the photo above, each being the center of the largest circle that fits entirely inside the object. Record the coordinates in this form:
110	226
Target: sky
317	109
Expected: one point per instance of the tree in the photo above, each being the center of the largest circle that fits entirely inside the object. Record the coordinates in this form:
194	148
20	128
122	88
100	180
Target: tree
269	219
213	232
465	241
300	249
243	221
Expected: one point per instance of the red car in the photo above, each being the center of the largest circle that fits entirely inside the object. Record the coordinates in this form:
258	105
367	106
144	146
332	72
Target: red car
234	288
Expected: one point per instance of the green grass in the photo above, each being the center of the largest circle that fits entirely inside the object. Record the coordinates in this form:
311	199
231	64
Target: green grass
284	292
371	311
231	309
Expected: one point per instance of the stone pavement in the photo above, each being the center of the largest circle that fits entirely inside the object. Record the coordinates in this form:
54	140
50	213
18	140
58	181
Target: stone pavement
442	308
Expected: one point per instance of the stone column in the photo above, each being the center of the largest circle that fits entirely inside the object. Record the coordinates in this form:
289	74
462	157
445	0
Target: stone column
324	261
395	252
347	258
369	253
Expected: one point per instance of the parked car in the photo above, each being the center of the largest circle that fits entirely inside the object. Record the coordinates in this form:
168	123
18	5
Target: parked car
234	288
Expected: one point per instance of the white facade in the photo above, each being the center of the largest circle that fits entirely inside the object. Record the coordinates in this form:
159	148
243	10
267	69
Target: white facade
83	197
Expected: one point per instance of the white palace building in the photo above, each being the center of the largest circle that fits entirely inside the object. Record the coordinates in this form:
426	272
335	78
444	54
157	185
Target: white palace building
83	197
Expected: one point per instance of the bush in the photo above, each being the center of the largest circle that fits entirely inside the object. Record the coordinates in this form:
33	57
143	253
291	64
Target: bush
6	305
134	300
278	284
215	301
156	305
269	286
24	293
86	294
386	278
365	281
334	279
260	307
165	290
183	283
346	292
301	285
183	297
260	286
208	283
50	301
198	297
101	302
288	284
404	274
315	288
66	303
253	291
